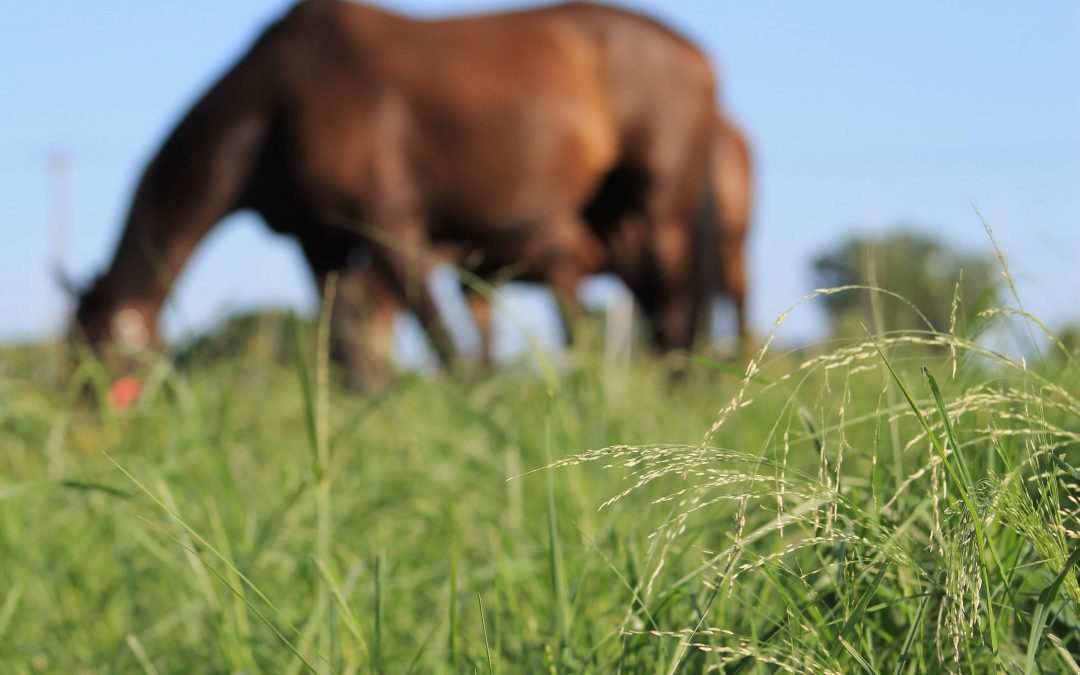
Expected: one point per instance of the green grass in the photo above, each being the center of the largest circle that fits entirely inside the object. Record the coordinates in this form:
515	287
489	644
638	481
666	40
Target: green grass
837	511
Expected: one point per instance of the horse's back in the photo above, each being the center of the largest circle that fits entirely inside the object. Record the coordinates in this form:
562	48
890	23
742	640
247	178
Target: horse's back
488	119
491	122
577	49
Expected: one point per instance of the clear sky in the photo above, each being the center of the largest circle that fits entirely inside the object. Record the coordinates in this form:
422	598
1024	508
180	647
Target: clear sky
862	115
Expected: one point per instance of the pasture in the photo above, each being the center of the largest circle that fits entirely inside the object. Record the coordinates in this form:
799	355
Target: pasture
903	497
906	503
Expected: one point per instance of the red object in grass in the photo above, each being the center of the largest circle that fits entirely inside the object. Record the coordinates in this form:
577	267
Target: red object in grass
124	392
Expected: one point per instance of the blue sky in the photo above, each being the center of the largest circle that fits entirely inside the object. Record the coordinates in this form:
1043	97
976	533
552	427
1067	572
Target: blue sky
862	116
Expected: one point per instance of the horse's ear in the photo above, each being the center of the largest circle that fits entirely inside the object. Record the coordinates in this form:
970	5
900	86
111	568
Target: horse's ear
66	282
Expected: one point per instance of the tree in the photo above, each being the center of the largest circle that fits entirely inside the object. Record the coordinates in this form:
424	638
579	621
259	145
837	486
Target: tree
921	269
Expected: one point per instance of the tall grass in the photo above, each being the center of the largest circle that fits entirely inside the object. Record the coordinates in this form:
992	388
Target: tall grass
196	543
900	502
960	556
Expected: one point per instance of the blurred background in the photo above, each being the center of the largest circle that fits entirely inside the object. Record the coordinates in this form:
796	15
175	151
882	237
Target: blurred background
864	120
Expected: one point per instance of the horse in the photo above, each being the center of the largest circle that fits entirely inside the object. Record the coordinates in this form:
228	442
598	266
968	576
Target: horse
352	128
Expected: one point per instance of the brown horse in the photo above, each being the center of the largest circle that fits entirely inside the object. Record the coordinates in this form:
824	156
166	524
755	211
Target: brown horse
563	257
351	128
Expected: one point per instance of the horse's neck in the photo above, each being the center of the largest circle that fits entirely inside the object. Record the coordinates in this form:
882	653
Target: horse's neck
149	255
199	175
197	178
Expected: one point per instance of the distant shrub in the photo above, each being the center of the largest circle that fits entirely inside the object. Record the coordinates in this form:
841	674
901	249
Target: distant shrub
922	270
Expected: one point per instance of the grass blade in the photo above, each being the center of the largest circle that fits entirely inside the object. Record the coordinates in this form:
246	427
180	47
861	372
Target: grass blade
555	561
961	488
137	649
909	640
352	624
939	402
1042	609
483	625
377	654
850	648
1066	657
856	616
726	369
195	536
307	395
11	603
255	610
452	611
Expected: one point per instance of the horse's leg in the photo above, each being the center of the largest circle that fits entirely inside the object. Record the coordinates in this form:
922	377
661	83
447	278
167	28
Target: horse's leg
676	285
480	307
675	300
364	329
382	305
362	317
570	252
570	309
732	259
323	261
653	256
401	247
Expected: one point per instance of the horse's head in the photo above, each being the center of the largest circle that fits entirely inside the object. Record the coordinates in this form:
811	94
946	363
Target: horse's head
116	331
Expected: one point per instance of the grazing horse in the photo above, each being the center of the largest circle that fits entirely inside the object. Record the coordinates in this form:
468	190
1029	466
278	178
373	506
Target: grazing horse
351	128
562	258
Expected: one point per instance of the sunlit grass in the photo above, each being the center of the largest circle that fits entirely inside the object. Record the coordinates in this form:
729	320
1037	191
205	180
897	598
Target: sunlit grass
836	511
948	550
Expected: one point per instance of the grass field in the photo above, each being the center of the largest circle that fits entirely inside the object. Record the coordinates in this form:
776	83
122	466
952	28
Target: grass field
249	516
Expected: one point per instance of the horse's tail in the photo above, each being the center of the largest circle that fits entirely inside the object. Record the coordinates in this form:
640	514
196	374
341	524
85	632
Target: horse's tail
704	259
732	178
